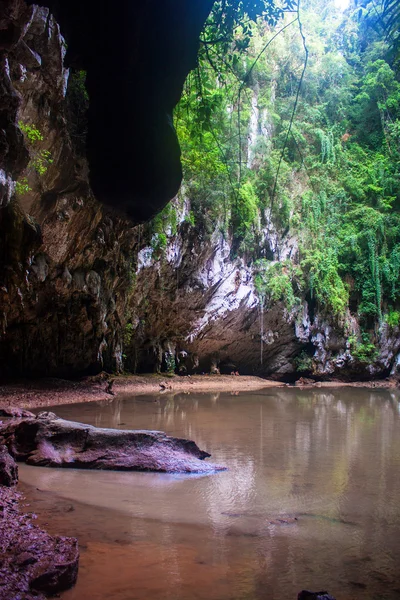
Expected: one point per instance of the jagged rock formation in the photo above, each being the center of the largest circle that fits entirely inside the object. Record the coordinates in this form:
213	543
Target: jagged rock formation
56	223
49	441
83	289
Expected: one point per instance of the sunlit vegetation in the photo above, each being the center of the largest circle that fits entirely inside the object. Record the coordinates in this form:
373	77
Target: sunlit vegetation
315	151
39	158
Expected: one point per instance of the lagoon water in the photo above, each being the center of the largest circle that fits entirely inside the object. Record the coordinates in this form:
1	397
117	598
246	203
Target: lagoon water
310	500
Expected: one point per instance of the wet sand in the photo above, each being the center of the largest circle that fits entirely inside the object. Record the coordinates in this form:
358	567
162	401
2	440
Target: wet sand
52	391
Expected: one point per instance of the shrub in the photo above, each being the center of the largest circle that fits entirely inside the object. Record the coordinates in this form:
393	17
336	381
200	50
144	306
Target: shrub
392	318
303	362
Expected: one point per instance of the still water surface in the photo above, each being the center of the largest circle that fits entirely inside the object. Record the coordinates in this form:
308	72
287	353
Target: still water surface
330	458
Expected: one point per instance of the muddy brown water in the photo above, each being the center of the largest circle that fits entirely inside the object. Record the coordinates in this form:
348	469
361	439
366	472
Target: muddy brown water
311	499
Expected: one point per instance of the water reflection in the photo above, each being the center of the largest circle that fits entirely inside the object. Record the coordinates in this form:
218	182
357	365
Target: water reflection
328	458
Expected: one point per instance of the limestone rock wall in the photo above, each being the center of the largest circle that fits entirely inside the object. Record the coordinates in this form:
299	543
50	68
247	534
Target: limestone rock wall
83	289
63	258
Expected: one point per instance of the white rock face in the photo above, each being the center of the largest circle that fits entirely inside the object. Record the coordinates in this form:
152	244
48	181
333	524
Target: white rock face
396	365
233	287
208	314
7	186
145	258
253	129
302	324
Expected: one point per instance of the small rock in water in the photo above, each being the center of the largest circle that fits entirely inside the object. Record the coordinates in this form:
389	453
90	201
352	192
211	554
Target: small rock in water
307	595
165	386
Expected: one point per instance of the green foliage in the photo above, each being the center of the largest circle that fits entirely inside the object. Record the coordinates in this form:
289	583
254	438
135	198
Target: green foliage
164	225
325	284
363	350
159	243
41	162
303	362
205	171
228	30
384	16
244	210
392	318
338	189
22	187
277	282
40	158
170	362
31	132
190	218
128	334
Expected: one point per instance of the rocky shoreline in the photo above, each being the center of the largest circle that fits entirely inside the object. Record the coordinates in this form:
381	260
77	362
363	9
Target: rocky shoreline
33	564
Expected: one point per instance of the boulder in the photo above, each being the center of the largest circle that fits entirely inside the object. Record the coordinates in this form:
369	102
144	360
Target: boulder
49	441
34	564
8	468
